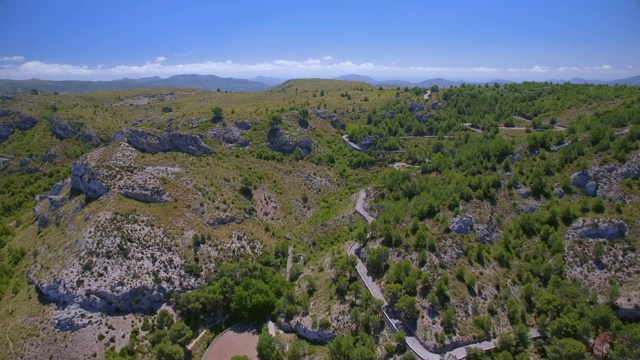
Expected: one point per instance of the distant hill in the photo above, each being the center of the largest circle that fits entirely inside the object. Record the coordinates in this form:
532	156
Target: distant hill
631	81
256	84
270	81
356	77
443	83
204	82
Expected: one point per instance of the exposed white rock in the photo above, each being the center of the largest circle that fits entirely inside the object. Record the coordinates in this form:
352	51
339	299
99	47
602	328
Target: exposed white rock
609	229
461	224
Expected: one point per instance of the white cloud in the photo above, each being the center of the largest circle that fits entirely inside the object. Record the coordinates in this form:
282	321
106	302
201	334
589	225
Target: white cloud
281	68
603	67
567	68
12	58
328	57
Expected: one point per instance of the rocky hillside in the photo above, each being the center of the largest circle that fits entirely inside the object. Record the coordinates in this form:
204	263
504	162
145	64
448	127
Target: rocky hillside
240	206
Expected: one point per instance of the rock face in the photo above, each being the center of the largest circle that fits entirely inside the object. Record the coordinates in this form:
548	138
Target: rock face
16	121
152	143
286	143
319	335
415	107
608	229
227	135
86	180
604	180
121	264
90	138
333	119
115	170
461	224
62	128
56	198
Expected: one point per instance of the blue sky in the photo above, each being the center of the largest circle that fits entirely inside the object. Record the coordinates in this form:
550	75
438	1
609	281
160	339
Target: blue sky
413	40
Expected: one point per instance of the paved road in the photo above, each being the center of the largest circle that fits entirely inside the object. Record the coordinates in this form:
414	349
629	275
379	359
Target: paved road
412	342
470	127
360	207
557	127
354	146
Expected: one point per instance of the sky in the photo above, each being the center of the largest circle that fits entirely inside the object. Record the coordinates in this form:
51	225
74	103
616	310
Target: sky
408	40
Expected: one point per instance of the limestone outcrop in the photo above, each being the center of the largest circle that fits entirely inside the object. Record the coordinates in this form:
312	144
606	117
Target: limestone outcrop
287	143
63	128
604	181
10	121
153	143
606	229
461	224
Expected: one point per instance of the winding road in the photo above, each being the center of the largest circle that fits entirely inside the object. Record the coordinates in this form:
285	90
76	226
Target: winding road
390	318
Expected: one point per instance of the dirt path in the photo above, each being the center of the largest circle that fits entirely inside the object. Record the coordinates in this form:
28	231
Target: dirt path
239	339
289	261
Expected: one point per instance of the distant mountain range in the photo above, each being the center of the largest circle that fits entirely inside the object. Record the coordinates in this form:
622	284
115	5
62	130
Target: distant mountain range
635	80
256	84
204	82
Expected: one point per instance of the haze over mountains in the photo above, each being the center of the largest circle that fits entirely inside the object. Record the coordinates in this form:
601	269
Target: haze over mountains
256	84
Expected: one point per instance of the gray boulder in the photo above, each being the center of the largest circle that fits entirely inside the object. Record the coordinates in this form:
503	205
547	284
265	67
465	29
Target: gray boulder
6	130
244	125
17	120
415	107
319	335
119	136
188	144
583	181
333	119
25	122
435	105
152	143
227	135
144	189
523	192
62	128
90	138
389	114
608	229
461	224
486	233
48	157
146	141
25	162
85	180
286	143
